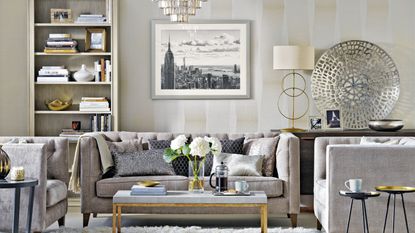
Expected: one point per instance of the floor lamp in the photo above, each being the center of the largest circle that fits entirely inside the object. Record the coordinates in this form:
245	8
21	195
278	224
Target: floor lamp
293	58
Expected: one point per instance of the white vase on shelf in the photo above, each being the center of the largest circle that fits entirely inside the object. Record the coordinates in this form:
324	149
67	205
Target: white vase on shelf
83	75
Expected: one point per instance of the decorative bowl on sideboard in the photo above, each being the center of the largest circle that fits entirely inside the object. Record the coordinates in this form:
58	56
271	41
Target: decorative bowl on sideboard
386	125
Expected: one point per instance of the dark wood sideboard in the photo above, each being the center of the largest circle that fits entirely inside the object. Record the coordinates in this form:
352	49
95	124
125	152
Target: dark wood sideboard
307	149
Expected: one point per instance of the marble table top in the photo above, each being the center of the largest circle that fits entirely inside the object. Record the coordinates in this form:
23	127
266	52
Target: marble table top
185	197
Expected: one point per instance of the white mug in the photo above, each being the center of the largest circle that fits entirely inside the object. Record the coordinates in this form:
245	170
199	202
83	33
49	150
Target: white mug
17	173
354	185
241	186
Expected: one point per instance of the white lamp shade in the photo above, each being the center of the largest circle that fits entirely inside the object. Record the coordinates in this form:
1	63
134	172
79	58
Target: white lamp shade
293	58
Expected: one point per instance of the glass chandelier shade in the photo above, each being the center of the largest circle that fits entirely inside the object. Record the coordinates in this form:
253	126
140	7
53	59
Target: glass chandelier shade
179	10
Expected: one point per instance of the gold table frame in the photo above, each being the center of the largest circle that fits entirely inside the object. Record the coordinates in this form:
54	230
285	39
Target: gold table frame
116	211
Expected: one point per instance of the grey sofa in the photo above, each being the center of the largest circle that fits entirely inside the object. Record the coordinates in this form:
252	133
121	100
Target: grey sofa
338	159
45	159
97	193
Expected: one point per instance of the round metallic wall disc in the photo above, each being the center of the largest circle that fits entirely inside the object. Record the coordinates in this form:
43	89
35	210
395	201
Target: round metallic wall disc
360	79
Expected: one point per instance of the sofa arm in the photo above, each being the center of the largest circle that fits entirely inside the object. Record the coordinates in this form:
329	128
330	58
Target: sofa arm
376	165
288	167
90	171
33	158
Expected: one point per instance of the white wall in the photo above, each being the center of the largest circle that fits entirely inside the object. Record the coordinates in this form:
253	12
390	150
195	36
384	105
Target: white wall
321	23
14	95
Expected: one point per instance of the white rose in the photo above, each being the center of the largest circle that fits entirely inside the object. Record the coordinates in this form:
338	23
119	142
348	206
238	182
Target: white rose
178	142
216	147
199	147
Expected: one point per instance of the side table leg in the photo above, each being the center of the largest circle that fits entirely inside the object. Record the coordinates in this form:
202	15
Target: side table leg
387	211
264	219
119	219
16	210
350	215
394	207
404	212
114	217
367	222
30	210
364	217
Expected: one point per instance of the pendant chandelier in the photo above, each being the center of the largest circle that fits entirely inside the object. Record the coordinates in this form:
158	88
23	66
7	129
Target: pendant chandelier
179	10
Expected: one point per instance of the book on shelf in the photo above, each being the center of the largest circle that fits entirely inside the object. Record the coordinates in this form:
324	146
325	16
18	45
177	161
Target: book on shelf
101	123
91	18
103	70
60	43
53	74
52	79
156	190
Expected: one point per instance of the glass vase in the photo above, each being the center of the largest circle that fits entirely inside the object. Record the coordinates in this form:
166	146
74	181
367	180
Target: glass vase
4	164
196	175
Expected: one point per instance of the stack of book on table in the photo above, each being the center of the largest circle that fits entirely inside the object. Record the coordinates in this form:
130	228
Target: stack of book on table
61	43
94	104
53	74
90	18
140	190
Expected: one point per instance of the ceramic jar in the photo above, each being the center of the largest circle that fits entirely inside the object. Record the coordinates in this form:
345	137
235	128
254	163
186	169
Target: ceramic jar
83	75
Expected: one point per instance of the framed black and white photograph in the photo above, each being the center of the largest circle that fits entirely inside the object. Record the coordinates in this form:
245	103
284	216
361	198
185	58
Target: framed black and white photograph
315	122
333	119
200	60
95	39
61	16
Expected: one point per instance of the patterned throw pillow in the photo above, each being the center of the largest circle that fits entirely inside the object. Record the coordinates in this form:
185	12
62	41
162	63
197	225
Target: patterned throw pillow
142	163
158	144
266	147
240	165
129	146
233	146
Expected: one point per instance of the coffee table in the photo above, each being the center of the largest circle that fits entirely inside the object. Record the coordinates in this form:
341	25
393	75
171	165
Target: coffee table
124	198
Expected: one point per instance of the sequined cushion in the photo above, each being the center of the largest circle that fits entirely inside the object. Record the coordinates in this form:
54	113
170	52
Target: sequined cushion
142	163
266	147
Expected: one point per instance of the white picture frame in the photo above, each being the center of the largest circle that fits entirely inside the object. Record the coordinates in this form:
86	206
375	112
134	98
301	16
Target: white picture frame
211	60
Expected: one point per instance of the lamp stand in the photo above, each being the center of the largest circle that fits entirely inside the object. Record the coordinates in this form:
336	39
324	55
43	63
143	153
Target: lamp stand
295	92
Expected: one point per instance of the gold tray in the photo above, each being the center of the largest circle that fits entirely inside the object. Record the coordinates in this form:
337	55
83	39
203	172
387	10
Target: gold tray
395	189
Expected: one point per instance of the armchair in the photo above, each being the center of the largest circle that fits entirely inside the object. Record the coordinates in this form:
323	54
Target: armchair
340	158
46	160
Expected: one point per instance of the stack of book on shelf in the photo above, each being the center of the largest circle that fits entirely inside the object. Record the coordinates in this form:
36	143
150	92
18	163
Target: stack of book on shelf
101	123
72	135
145	188
94	104
102	70
53	74
90	18
61	43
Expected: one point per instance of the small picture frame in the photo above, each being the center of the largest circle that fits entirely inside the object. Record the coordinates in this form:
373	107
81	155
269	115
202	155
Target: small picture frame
95	40
61	15
315	122
333	119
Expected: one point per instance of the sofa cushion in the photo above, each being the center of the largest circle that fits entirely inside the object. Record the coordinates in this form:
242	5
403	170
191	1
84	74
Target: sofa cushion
158	144
142	163
233	146
266	147
273	187
129	146
56	191
108	187
239	165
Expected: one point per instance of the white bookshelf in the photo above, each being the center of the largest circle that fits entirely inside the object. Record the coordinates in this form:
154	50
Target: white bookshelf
44	122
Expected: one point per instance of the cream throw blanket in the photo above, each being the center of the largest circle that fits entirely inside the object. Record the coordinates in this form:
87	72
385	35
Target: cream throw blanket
105	156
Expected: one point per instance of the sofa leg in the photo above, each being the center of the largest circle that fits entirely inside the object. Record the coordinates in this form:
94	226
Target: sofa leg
319	225
94	215
293	218
86	219
61	221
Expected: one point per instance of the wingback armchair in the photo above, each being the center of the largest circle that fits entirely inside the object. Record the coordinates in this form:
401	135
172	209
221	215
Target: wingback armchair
338	159
46	160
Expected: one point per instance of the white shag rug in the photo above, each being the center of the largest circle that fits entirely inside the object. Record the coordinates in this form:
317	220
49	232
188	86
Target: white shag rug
193	229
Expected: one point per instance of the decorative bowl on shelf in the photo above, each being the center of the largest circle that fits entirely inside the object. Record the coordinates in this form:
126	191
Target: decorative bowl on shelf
58	105
386	125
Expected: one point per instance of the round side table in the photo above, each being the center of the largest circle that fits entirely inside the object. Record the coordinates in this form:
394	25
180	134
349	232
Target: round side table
362	196
17	185
395	190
